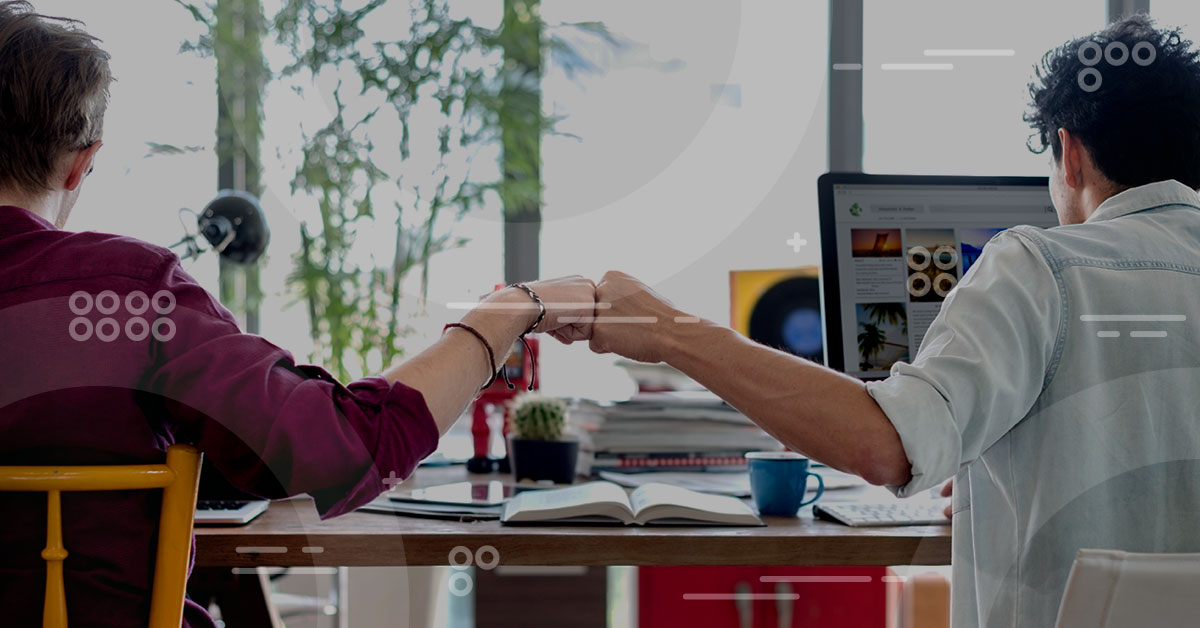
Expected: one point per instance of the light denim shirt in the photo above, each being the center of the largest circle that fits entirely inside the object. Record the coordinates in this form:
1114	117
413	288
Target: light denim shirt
1060	388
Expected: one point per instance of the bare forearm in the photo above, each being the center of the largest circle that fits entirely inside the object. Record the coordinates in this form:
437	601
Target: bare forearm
450	373
819	412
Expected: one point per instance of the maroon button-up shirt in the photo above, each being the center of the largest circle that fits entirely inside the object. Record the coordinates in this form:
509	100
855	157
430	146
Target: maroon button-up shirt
109	353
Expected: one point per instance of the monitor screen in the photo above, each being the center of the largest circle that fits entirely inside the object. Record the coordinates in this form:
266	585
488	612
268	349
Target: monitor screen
893	247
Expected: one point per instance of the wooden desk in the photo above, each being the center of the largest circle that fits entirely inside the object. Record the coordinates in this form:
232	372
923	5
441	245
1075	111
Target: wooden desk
290	534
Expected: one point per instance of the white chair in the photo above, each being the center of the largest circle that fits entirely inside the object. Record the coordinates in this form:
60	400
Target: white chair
1114	589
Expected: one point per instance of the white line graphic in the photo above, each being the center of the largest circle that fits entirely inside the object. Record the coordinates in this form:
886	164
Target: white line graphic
917	67
802	579
467	305
1133	318
1108	334
848	67
1147	334
970	52
637	320
710	597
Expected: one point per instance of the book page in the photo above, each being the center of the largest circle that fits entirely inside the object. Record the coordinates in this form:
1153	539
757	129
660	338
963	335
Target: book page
585	499
664	495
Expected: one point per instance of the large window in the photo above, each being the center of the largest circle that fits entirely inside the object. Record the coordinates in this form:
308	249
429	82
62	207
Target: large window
160	98
1184	13
695	150
922	117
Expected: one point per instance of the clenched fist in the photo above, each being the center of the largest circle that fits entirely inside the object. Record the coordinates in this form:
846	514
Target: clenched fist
632	320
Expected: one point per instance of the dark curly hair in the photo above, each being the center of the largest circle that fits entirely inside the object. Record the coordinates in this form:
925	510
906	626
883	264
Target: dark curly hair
1140	121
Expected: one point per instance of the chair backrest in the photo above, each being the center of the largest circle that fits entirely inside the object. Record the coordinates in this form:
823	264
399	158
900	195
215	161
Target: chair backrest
1113	589
179	478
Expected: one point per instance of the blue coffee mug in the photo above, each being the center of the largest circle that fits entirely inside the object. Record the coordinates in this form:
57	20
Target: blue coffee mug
778	480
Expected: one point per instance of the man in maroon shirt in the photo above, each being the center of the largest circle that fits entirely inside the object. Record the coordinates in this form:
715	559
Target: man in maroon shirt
109	353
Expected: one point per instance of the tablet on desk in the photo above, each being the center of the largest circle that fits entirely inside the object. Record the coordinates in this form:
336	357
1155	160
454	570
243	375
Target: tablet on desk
471	493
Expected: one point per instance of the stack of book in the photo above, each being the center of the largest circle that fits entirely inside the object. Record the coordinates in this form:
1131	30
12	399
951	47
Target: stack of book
680	431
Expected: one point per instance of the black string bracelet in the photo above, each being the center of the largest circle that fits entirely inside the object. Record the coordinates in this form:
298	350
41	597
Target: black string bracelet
491	355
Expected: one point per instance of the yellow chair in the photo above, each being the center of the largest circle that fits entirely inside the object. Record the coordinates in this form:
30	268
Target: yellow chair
179	478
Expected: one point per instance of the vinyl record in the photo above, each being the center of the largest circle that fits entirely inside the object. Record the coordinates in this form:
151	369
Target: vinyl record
788	317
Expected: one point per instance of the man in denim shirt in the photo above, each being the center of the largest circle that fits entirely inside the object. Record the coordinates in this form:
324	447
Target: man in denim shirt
1058	386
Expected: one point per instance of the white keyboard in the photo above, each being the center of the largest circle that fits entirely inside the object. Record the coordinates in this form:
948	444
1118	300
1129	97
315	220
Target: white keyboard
889	514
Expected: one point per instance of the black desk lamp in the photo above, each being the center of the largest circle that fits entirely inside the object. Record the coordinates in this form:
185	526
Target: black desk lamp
234	226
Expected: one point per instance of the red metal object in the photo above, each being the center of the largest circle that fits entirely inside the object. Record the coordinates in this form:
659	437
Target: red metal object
496	397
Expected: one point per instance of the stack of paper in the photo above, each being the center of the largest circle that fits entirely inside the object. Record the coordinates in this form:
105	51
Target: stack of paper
670	431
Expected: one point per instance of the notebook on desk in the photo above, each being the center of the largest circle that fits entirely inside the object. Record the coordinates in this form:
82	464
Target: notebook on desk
607	503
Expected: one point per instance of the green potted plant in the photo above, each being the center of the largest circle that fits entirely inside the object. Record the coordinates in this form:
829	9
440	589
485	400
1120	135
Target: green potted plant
536	443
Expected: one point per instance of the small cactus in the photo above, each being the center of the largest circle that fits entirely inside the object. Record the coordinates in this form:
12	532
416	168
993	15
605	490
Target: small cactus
538	417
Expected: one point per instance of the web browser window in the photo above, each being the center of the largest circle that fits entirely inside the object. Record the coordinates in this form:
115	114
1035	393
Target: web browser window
902	249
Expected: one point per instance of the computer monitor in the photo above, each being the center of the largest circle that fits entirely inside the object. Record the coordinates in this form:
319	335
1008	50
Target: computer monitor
893	247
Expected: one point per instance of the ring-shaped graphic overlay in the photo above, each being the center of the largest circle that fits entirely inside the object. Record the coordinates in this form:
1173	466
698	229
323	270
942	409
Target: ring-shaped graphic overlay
110	296
81	336
489	564
1090	87
144	304
1144	45
1113	59
110	323
1094	58
919	258
167	309
459	549
137	321
160	335
944	283
80	310
918	284
945	257
460	584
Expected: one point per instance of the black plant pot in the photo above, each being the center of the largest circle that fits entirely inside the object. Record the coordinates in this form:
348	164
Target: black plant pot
552	460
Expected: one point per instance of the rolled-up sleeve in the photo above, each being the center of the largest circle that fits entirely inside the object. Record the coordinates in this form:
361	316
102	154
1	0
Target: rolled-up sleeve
274	428
982	365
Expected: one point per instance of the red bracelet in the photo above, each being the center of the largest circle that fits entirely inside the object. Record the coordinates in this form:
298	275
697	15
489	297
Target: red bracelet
491	356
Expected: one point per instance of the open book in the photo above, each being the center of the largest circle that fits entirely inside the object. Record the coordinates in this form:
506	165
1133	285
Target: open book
605	502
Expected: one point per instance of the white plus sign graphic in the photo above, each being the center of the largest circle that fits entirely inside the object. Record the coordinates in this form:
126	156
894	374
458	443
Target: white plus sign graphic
796	242
391	480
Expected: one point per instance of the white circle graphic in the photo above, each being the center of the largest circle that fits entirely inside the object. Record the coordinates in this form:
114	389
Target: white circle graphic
459	549
944	283
919	258
80	310
1147	46
918	284
163	336
1090	72
138	336
161	294
460	584
110	323
81	336
112	298
1092	59
1113	59
945	257
489	564
137	295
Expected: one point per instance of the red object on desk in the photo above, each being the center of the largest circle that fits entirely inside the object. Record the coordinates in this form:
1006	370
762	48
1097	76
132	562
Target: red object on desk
498	395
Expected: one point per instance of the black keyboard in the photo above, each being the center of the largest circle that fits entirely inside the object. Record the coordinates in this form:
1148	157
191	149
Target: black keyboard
220	504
